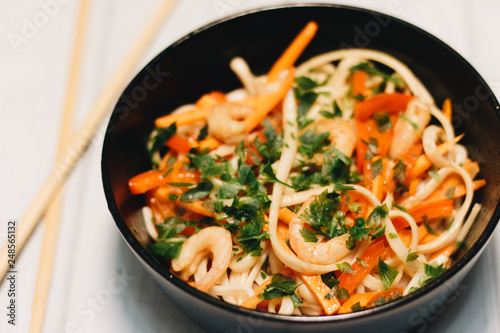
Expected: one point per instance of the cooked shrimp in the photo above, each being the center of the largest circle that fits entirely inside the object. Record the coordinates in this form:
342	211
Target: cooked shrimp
224	122
409	128
341	135
213	240
323	253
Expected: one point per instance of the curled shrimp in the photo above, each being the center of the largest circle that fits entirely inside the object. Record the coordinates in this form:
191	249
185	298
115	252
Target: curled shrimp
409	128
341	135
321	253
215	240
224	122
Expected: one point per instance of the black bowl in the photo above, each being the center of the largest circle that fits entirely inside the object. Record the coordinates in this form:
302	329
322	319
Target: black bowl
199	63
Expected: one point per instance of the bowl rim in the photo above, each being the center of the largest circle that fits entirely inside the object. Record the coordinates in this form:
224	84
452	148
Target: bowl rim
165	273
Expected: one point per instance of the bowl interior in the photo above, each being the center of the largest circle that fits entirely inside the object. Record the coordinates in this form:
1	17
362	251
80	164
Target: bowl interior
199	63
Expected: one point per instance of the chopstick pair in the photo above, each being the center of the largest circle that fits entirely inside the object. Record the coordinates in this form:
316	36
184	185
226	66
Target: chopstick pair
70	151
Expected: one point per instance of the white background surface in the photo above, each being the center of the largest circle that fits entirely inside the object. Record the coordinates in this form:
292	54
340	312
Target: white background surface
91	255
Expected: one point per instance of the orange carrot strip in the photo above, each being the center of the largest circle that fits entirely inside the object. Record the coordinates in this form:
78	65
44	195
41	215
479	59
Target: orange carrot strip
358	83
180	144
210	143
183	118
286	215
413	186
211	99
447	110
293	51
432	209
378	184
320	290
440	193
195	207
460	190
370	256
254	119
428	238
382	102
363	299
386	293
146	181
252	302
423	163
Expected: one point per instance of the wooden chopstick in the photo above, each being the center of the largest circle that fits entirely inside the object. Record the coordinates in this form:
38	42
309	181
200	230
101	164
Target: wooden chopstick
53	214
78	144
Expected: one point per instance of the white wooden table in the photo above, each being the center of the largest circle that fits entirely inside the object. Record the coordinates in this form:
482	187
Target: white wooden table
98	284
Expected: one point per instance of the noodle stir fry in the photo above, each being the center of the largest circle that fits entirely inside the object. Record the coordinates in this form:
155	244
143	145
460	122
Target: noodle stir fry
312	190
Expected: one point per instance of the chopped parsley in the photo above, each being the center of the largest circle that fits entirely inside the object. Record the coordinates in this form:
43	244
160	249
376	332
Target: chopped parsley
345	267
383	121
163	134
362	263
411	122
372	148
376	216
449	192
387	274
166	249
435	176
432	272
281	286
356	307
308	236
399	174
428	227
312	143
377	167
412	256
324	216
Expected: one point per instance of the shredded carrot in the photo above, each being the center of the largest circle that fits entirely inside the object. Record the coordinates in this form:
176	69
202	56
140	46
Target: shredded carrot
413	186
211	99
320	290
363	299
252	302
460	190
286	215
382	102
293	51
196	207
447	110
183	118
180	144
428	238
423	163
255	118
210	143
370	256
146	181
431	209
378	184
367	299
359	83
